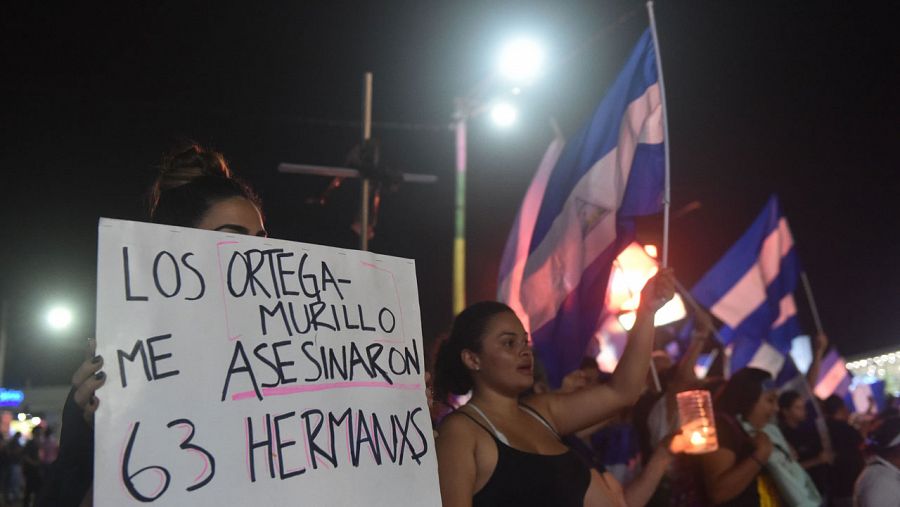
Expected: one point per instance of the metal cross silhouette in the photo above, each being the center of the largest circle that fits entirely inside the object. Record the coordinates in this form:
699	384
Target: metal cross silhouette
365	164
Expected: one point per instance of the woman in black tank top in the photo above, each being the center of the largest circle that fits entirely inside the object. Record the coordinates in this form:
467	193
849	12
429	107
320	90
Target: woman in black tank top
502	450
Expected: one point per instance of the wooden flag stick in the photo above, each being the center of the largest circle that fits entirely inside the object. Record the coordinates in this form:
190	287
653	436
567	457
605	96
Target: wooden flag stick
812	302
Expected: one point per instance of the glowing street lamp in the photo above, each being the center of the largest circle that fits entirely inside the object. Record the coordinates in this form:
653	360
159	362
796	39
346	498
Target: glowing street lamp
59	318
520	62
504	114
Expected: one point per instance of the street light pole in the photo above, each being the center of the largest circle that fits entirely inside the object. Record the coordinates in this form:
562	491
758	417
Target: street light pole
4	320
521	61
459	237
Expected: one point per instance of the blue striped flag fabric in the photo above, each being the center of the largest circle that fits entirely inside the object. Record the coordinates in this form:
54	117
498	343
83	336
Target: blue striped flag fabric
578	215
751	288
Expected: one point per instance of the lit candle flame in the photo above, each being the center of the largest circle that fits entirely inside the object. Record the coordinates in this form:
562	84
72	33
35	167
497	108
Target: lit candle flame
697	438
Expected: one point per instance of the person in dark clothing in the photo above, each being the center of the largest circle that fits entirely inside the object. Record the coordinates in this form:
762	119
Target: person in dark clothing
879	483
499	449
31	467
848	454
195	188
801	433
13	471
734	474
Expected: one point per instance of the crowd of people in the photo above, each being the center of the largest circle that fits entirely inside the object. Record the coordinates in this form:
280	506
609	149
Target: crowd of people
24	463
772	449
601	439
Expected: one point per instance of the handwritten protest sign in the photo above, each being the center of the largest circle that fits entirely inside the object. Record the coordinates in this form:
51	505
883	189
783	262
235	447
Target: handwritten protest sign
252	371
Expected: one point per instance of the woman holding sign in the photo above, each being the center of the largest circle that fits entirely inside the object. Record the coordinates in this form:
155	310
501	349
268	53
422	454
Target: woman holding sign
195	188
500	449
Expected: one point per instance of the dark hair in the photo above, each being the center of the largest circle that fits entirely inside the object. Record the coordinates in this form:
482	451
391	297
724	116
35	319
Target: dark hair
742	391
880	439
787	398
832	405
450	374
191	180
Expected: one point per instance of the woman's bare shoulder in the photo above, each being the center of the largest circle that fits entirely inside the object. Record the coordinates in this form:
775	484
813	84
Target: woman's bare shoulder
460	432
458	424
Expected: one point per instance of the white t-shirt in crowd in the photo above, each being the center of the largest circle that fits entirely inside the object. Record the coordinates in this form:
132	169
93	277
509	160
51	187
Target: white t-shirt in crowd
878	485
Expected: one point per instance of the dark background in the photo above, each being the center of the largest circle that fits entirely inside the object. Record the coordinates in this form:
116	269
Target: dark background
799	98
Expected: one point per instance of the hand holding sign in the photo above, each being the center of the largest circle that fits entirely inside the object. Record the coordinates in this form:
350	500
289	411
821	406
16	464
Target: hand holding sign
86	380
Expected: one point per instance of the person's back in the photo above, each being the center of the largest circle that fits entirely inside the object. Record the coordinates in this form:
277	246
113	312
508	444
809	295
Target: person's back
14	450
879	483
31	466
848	458
49	448
31	454
847	445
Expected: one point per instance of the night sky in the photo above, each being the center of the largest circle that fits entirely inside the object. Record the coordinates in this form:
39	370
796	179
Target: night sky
799	98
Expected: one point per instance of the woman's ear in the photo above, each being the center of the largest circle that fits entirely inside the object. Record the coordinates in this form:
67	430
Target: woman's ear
470	360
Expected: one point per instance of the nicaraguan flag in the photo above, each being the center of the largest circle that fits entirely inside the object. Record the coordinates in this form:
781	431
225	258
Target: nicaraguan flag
752	353
833	376
578	215
865	397
751	288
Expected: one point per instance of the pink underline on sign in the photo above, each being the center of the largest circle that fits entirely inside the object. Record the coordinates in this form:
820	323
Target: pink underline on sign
285	390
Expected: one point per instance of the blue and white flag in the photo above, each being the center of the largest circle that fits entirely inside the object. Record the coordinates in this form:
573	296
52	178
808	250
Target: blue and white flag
858	393
751	288
578	216
833	376
865	397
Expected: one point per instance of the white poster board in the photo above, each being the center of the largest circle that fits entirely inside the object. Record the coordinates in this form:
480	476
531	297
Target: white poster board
253	371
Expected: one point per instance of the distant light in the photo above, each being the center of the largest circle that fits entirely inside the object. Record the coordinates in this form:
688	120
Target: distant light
21	417
59	318
521	60
11	397
670	312
631	270
36	421
503	114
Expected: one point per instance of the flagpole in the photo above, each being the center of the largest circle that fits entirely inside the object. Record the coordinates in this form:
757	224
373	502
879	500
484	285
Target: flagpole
696	306
821	427
812	302
666	196
726	356
662	95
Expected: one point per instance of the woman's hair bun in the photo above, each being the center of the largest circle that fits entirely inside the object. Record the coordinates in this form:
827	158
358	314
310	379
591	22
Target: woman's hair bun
189	162
191	180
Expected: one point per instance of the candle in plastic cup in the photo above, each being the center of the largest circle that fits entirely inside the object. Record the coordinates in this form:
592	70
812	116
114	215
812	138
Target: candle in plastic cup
698	422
